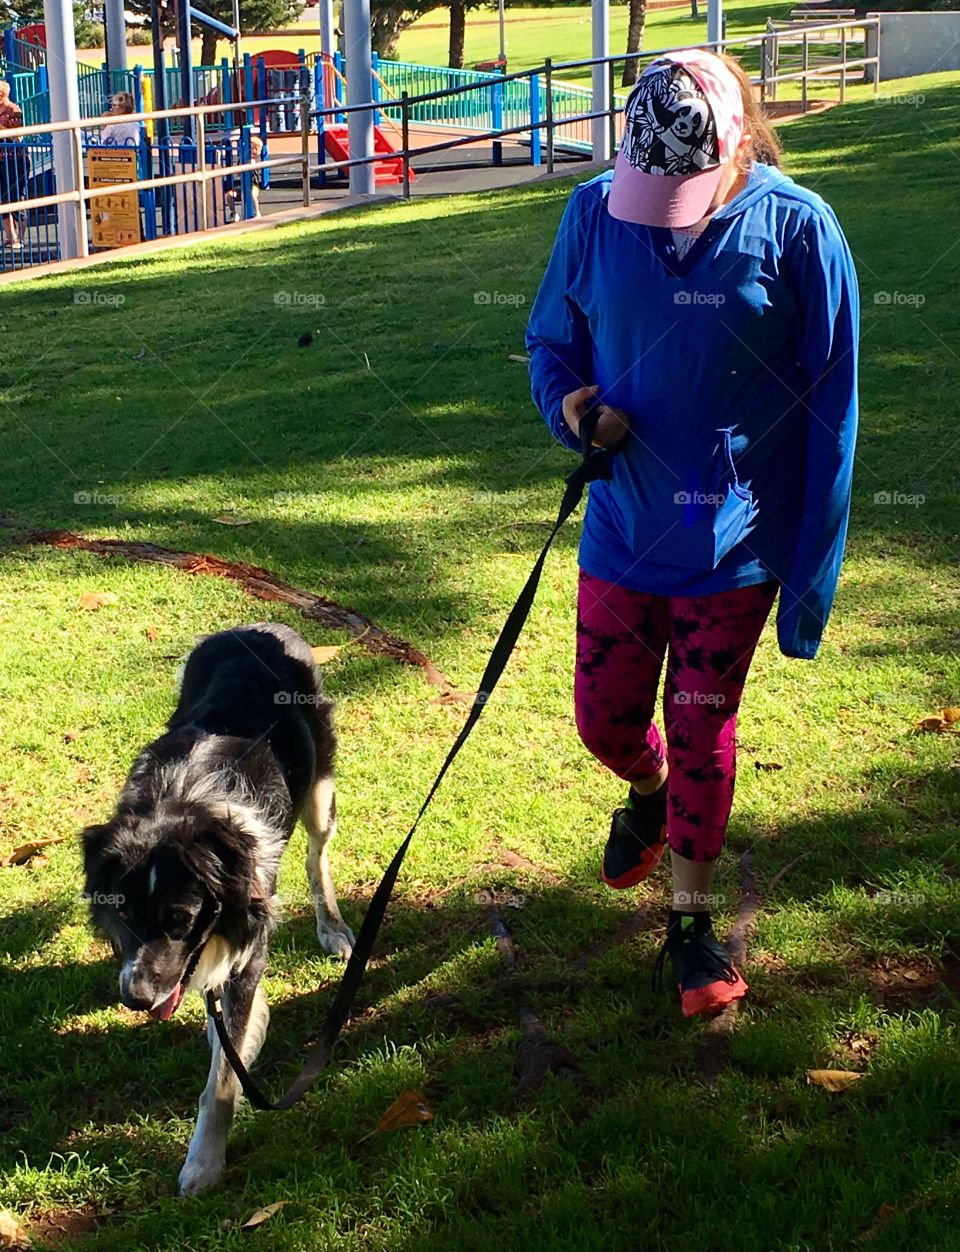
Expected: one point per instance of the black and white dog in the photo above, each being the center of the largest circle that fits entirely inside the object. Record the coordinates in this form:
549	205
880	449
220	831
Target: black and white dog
182	878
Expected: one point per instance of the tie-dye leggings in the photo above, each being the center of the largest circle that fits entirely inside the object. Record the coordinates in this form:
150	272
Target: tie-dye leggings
622	637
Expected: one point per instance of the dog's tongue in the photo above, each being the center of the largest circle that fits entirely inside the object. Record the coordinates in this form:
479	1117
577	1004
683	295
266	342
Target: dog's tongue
163	1012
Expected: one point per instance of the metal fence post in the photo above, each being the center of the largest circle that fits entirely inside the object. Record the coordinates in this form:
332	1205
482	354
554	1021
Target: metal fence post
497	120
202	168
83	238
612	106
548	102
806	66
305	141
536	157
405	141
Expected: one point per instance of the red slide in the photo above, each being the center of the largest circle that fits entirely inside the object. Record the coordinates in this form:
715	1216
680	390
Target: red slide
388	170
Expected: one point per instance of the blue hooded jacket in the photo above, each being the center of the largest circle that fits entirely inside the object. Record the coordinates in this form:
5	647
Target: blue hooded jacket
737	367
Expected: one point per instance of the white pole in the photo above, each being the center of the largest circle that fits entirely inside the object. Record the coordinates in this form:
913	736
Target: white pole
116	35
356	37
600	127
714	21
64	107
503	32
328	42
237	45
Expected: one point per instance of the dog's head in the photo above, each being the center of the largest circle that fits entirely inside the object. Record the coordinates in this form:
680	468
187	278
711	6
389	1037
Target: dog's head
159	888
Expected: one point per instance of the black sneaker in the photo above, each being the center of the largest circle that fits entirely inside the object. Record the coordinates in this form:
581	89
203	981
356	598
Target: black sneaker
638	836
706	977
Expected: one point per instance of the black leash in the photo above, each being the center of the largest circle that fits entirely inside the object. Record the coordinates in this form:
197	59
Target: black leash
596	463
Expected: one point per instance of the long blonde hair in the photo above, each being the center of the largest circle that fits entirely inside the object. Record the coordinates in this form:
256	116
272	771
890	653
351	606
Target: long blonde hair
763	144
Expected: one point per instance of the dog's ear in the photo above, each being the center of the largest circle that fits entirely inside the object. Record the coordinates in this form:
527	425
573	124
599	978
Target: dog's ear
99	842
224	859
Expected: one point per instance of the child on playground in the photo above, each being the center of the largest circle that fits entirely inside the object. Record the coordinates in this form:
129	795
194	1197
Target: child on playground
14	166
124	133
707	307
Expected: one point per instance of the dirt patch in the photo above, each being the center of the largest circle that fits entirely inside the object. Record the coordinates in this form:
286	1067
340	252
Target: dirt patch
261	584
901	982
58	1226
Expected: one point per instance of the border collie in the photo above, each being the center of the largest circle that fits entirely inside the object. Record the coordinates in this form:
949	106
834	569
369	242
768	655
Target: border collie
181	879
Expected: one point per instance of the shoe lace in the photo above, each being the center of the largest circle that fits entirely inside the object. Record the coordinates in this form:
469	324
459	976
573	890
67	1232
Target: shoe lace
705	948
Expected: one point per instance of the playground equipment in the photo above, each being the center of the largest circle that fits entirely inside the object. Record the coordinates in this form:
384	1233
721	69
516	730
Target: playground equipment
388	171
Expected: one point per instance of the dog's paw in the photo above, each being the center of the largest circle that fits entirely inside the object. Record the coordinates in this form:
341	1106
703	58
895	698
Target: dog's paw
201	1173
335	939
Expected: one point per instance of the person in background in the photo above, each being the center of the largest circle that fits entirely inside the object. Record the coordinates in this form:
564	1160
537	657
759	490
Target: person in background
706	307
120	134
14	167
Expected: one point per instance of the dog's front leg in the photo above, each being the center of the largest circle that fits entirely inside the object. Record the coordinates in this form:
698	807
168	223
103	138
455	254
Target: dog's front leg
246	1014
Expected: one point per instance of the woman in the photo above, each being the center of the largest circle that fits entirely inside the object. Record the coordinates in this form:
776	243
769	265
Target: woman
123	133
707	308
13	165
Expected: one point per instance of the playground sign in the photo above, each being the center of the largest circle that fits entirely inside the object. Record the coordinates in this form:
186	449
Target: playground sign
115	219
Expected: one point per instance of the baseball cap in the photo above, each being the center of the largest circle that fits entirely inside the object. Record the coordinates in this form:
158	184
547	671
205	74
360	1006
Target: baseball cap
683	119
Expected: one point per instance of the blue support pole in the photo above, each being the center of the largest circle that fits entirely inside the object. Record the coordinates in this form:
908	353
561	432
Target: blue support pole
497	120
375	84
338	85
248	86
10	46
535	145
226	90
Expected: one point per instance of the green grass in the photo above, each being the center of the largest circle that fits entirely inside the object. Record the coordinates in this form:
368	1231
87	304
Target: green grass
565	34
397	466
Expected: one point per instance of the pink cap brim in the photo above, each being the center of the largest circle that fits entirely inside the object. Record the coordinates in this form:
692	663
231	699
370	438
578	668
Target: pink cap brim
660	199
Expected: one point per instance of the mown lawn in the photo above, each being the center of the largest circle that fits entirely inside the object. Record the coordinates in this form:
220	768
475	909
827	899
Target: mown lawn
396	465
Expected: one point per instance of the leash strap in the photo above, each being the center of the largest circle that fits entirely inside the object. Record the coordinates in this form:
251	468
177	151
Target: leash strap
595	464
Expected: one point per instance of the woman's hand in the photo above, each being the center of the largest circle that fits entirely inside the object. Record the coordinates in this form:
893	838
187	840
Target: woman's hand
613	426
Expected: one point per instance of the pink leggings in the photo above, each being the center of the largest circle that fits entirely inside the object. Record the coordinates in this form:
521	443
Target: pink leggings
622	637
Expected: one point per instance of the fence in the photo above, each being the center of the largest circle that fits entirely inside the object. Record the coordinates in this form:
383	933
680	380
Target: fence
208	177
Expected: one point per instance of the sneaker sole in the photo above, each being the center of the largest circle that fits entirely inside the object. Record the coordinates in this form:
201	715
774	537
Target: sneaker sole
651	859
712	999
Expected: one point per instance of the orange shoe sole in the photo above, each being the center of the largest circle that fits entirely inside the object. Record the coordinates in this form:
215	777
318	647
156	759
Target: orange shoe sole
713	998
649	862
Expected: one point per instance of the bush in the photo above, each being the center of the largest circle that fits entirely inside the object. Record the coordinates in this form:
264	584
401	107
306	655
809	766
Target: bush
138	36
90	34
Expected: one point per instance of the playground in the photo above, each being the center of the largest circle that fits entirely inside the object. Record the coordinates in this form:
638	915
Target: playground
395	465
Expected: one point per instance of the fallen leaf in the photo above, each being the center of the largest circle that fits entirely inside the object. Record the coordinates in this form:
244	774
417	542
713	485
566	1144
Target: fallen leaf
23	853
12	1234
153	633
233	521
767	766
833	1079
93	600
937	723
263	1215
950	715
408	1109
322	655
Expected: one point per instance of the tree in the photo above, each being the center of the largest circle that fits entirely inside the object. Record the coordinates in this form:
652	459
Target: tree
635	25
458	33
390	18
255	15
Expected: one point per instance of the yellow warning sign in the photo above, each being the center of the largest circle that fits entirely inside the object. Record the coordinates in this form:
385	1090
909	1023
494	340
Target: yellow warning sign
114	218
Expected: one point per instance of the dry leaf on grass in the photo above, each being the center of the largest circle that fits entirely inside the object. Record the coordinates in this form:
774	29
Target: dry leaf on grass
409	1109
833	1079
322	655
233	521
153	633
937	723
263	1215
94	600
23	853
12	1234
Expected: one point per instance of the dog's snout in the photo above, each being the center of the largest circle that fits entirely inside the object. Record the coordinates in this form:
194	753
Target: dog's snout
136	990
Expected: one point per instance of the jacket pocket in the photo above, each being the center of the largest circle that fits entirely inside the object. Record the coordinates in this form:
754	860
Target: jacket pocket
703	521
